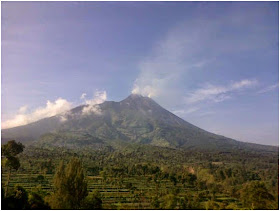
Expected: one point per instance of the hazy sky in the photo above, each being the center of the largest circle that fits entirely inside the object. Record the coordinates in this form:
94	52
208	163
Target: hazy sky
214	64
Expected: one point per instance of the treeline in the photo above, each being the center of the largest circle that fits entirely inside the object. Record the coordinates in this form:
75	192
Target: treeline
180	179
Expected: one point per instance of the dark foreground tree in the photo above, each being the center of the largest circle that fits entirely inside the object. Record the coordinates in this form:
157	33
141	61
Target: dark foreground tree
10	150
70	186
16	200
36	202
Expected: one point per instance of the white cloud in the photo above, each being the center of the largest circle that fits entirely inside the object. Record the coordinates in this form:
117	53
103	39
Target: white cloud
58	107
92	104
22	109
161	70
98	98
217	93
267	89
176	61
51	109
91	109
62	118
83	96
243	83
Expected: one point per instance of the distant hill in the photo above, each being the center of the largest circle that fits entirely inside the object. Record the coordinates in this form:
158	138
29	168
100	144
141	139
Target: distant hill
136	119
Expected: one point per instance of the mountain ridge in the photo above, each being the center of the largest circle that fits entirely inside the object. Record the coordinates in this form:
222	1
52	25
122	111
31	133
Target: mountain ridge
135	119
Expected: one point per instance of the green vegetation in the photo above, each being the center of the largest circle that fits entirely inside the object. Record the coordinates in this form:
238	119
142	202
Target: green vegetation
135	176
10	151
70	186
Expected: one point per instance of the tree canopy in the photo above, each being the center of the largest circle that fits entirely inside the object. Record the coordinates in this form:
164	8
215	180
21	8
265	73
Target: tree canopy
70	186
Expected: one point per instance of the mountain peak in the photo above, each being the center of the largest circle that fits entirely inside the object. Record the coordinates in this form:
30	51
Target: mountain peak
135	96
137	119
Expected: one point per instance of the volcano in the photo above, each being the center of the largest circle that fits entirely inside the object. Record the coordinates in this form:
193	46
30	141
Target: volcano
136	119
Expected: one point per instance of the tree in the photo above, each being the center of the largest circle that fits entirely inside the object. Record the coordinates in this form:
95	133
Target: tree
10	150
93	202
16	200
36	202
173	179
188	202
155	202
70	186
169	202
255	195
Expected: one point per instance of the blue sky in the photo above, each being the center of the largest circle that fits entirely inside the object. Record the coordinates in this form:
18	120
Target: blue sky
214	64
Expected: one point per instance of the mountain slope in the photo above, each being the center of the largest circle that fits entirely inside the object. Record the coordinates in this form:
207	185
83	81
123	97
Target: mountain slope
135	119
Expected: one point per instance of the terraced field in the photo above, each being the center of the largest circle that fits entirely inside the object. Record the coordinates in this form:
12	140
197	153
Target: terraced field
145	178
126	193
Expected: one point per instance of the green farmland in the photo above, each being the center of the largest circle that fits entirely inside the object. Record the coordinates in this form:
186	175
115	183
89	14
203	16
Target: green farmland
159	178
132	193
